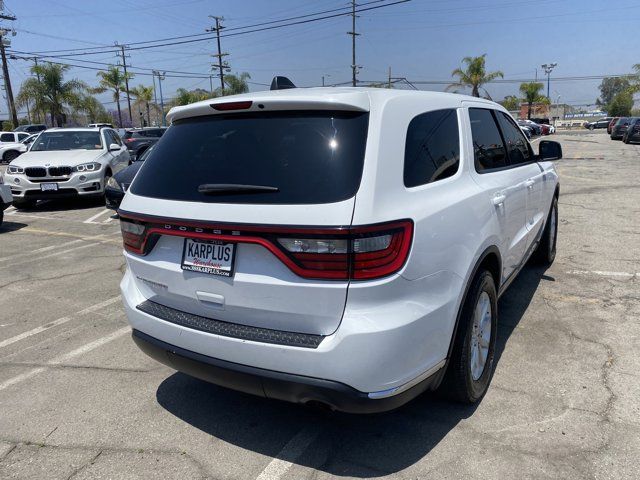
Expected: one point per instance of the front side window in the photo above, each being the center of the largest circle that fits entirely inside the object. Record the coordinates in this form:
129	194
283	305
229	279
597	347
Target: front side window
69	140
517	146
306	157
432	148
488	149
22	136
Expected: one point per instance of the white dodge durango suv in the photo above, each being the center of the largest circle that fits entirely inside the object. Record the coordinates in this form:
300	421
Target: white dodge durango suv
335	246
66	162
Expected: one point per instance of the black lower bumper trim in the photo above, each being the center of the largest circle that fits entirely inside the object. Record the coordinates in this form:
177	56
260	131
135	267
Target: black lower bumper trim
272	384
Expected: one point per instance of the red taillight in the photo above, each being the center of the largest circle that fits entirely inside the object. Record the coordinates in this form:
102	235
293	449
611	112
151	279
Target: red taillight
357	253
231	106
133	236
129	140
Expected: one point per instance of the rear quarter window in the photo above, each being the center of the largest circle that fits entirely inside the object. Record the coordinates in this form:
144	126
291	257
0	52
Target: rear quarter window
432	148
310	157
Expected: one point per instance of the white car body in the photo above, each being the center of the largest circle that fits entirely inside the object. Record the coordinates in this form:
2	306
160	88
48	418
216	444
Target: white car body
17	148
12	137
59	168
379	337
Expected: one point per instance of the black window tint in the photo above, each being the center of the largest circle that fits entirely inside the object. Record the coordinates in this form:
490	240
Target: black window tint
116	137
7	137
311	157
488	149
432	149
517	145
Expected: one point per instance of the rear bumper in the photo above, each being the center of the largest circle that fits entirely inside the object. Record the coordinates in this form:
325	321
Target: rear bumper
272	384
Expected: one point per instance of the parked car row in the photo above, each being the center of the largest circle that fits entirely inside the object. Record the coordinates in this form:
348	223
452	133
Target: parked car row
533	129
626	129
598	124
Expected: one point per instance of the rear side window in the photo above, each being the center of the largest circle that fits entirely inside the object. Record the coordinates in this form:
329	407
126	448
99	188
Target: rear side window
517	145
7	137
488	149
432	149
309	157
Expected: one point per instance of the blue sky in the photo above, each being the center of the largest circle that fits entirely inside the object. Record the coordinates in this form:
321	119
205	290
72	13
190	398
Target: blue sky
420	39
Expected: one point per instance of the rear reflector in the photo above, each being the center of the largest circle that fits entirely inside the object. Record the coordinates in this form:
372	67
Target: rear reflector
338	253
231	106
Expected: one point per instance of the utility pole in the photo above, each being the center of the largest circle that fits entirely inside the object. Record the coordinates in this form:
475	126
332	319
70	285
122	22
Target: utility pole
354	67
5	67
160	76
220	64
155	98
389	84
126	79
548	68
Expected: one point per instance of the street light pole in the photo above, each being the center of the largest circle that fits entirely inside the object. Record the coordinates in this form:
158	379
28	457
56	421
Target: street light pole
548	68
160	76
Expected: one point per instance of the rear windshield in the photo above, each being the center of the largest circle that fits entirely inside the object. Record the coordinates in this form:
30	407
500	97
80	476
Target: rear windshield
622	120
309	157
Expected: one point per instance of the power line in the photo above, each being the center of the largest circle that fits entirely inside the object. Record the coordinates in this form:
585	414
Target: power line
195	35
244	31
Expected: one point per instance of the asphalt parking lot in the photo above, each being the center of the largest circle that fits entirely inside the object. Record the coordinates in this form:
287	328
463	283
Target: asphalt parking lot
78	399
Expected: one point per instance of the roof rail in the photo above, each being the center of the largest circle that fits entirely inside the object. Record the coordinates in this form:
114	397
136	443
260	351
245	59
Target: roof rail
281	83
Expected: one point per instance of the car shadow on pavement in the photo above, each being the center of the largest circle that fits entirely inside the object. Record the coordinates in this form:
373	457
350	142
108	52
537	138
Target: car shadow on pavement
65	204
362	446
11	226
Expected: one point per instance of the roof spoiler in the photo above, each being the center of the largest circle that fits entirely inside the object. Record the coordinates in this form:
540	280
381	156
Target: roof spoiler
281	83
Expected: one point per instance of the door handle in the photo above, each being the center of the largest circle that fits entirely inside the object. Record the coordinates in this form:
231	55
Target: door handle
530	183
499	198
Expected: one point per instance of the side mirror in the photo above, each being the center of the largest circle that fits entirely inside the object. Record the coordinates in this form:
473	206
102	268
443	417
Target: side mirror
549	150
114	146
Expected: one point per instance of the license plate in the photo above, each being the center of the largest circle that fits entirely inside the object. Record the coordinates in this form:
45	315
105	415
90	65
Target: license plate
212	257
48	187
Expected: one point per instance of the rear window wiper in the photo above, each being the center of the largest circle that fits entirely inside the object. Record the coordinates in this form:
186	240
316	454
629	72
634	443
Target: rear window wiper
225	188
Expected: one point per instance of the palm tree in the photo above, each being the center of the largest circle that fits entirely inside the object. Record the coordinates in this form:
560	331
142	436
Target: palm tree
185	97
49	92
144	95
113	79
236	83
474	75
92	108
531	92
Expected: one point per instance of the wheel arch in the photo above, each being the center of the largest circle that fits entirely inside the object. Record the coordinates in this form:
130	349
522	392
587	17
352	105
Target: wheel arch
491	260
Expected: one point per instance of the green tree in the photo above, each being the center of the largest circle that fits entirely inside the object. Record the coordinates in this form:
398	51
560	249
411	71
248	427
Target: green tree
609	88
143	95
235	84
113	79
531	94
621	104
635	79
185	97
474	75
92	108
510	102
50	93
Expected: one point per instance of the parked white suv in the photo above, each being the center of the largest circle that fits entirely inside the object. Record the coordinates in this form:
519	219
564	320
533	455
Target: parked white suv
66	162
339	246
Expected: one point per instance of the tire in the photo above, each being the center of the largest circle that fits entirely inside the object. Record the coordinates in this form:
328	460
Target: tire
107	176
545	254
466	380
10	155
24	204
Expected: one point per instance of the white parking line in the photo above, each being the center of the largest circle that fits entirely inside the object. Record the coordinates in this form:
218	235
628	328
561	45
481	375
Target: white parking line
66	357
101	241
99	214
40	250
289	454
601	273
57	322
